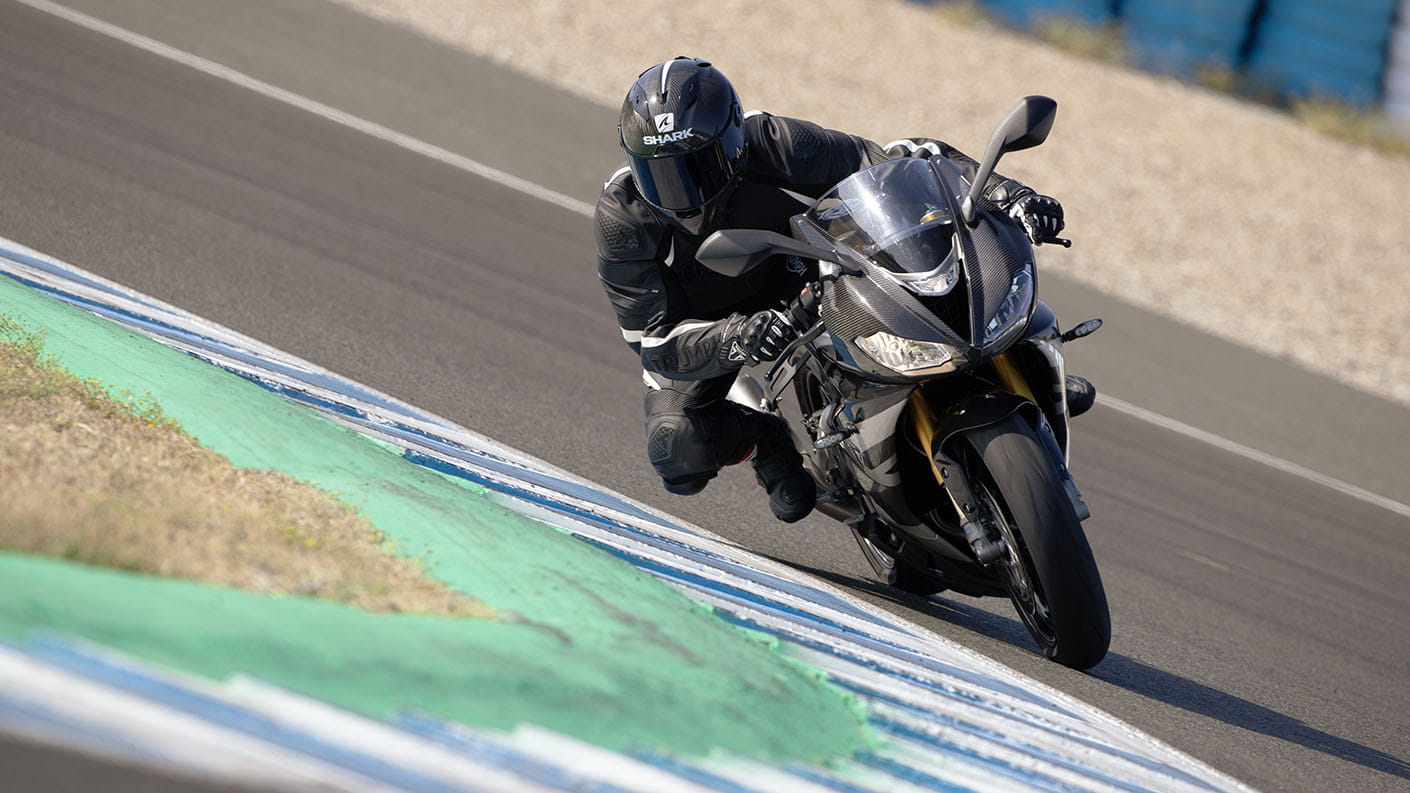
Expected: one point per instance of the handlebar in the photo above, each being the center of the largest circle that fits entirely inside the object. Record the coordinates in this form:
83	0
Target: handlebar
802	313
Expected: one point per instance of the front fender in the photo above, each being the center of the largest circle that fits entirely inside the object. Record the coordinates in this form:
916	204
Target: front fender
981	410
977	411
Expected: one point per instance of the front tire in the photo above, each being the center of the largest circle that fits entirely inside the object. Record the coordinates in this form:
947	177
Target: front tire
1048	570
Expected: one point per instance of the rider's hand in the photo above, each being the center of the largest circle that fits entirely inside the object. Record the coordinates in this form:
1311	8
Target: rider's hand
1040	216
757	338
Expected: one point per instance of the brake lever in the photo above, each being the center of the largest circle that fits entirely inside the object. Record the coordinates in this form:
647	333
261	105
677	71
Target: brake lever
1058	241
783	359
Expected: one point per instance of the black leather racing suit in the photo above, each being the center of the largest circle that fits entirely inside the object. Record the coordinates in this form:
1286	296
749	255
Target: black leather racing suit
674	312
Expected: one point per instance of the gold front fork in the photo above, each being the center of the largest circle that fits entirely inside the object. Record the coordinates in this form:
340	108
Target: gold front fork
1010	378
953	482
923	421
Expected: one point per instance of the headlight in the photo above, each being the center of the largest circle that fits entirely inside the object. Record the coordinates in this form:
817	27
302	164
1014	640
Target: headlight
936	283
905	355
935	286
1014	307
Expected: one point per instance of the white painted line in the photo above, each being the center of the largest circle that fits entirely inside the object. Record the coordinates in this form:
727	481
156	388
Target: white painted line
1278	463
583	208
317	108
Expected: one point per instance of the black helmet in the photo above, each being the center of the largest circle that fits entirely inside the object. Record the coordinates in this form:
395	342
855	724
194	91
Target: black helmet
683	130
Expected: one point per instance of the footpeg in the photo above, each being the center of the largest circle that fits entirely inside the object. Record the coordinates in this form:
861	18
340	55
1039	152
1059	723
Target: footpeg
828	421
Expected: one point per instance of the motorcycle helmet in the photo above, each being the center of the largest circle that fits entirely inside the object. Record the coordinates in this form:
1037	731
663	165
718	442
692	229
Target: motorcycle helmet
682	128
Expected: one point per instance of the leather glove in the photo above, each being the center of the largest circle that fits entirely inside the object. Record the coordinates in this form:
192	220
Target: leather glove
1039	215
757	338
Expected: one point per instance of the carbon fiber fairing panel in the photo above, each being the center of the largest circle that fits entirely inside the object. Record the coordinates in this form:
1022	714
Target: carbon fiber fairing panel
1002	252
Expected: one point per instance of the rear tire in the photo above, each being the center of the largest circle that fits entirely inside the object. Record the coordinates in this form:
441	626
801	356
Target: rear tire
1049	571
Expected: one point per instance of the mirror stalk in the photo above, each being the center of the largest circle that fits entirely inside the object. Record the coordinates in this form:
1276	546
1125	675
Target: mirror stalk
1025	126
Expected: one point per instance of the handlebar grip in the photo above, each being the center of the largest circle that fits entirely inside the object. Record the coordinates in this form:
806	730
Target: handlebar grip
804	308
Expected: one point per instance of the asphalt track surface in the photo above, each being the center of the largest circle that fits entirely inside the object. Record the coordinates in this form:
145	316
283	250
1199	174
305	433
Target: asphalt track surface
1259	619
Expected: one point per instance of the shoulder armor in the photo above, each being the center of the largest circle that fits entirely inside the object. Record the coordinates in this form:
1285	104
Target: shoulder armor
626	227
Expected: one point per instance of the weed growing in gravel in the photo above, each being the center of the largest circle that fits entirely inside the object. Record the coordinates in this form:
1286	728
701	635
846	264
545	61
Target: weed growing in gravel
1340	120
112	481
1095	42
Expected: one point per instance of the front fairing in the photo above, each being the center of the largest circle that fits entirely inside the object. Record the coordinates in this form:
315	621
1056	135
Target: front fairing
985	311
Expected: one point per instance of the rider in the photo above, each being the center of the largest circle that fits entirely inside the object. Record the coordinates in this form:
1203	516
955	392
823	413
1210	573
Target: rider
696	163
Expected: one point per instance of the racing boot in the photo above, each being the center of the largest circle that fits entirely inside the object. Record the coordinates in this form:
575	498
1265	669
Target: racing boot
1081	395
779	469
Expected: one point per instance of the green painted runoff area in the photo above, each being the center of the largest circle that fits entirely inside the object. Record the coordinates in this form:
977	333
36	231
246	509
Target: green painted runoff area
587	645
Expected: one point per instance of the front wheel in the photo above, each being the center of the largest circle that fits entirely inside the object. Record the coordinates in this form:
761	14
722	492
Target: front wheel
1048	568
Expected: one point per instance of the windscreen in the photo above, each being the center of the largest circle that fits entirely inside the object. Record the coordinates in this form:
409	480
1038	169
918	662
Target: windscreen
893	213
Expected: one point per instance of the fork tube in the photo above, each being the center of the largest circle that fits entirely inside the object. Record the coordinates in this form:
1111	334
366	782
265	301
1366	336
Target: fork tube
924	421
953	481
1011	378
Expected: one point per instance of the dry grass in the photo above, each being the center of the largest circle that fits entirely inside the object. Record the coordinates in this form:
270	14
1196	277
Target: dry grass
1362	127
1100	43
112	482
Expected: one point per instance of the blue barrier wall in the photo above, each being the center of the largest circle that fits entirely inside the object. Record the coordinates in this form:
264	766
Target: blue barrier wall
1323	48
1331	48
1178	36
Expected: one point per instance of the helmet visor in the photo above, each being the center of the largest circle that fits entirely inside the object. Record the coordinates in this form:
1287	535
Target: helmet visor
689	180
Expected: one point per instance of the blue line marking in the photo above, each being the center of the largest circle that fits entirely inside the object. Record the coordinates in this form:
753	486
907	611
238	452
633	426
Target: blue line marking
1036	751
826	780
685	770
47	726
69	656
52	269
484	750
906	773
999	767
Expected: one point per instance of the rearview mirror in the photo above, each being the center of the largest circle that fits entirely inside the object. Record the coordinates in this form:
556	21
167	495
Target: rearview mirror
1026	126
734	252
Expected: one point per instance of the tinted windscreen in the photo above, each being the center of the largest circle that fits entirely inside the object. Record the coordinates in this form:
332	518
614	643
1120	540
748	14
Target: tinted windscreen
893	213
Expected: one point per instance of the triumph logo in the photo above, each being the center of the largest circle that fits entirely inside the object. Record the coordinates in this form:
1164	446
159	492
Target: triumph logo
737	353
666	122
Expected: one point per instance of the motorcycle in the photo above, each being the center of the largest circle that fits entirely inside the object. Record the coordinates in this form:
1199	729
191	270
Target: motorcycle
928	389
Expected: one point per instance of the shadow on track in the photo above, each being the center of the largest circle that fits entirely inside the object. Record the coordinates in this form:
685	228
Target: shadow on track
1162	686
1136	677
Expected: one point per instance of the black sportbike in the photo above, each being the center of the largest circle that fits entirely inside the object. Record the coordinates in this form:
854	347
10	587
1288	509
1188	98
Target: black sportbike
928	389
